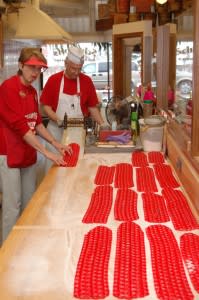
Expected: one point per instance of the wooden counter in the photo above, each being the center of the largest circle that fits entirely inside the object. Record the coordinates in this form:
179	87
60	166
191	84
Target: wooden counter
65	192
32	265
38	260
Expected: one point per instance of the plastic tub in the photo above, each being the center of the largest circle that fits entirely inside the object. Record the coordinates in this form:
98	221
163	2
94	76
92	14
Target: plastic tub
151	133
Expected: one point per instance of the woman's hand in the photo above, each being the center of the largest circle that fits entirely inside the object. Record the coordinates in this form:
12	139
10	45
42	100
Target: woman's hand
56	158
62	148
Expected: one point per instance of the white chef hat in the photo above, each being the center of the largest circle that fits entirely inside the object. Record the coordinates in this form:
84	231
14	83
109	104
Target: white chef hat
76	55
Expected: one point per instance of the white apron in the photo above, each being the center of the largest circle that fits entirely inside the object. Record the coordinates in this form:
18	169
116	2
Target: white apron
69	104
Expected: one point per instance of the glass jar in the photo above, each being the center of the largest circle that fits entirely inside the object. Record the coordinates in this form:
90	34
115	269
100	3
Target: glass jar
147	108
90	137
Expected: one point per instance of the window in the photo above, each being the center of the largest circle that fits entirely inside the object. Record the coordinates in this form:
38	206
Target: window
134	66
184	64
89	68
96	57
103	67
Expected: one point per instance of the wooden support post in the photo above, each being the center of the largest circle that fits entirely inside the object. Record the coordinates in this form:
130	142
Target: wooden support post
166	62
195	117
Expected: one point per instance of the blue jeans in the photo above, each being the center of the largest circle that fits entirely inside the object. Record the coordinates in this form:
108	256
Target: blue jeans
18	186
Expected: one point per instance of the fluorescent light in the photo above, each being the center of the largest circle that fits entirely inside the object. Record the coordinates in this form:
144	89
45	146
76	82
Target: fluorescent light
161	1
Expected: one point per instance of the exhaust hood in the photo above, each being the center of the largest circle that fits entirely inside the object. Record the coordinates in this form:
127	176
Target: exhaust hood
32	23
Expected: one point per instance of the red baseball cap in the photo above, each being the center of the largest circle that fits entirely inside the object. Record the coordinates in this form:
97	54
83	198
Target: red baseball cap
34	61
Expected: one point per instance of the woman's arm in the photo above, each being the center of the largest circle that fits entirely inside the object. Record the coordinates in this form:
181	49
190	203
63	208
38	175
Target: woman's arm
31	139
45	134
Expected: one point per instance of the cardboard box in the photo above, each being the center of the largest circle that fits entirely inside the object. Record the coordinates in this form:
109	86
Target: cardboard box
103	11
134	17
120	18
104	24
142	5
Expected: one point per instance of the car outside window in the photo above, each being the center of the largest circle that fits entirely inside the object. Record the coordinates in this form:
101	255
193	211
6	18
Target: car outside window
89	68
103	67
134	66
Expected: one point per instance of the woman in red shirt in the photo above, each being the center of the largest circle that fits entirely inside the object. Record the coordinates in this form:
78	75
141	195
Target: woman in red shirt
20	124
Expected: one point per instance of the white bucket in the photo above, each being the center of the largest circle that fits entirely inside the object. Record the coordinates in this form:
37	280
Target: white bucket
151	133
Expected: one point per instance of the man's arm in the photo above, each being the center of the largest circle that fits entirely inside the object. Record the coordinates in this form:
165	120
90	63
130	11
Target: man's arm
50	113
96	115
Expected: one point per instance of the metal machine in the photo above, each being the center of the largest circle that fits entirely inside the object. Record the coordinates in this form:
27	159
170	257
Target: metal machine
72	122
87	125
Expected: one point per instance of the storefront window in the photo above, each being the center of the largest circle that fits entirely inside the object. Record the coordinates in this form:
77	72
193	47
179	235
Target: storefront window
183	103
184	64
97	65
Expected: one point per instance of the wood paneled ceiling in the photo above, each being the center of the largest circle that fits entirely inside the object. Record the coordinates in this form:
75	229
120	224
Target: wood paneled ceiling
72	8
65	8
80	15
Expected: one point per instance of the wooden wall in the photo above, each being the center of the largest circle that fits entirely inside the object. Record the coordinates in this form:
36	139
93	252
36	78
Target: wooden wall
186	167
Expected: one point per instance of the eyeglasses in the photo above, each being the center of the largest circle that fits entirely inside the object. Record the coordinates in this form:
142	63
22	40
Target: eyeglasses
36	69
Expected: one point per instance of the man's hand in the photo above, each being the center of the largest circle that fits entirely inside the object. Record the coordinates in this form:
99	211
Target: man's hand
60	123
105	127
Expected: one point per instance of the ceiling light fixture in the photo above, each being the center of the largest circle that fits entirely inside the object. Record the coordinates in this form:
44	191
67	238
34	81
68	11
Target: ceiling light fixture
161	1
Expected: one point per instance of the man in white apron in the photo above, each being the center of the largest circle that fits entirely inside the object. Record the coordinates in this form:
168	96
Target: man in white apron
70	92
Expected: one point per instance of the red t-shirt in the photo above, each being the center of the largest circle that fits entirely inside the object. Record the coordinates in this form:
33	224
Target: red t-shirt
88	96
2	138
19	113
